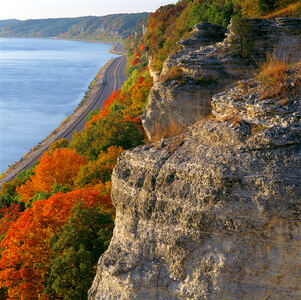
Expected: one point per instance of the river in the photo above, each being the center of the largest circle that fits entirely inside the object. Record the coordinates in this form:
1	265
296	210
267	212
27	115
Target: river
41	83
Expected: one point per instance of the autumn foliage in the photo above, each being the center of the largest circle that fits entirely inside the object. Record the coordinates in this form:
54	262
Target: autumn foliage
67	192
68	220
105	110
99	171
8	215
118	122
26	248
60	167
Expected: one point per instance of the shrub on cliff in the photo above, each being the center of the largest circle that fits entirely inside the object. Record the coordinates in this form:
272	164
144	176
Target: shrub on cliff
275	76
241	43
291	11
171	23
173	73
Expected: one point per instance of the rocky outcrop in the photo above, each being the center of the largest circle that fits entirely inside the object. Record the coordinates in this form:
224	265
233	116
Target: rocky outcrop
217	216
211	67
203	34
281	37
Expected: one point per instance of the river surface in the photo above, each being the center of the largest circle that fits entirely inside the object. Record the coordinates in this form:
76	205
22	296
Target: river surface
41	83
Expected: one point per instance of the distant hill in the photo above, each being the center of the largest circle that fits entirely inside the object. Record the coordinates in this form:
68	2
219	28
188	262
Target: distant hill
107	28
4	23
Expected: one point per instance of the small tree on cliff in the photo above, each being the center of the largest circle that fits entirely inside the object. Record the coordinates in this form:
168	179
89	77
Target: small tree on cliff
241	42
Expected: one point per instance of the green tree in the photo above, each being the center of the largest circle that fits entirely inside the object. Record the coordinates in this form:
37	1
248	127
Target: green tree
8	193
111	130
241	43
92	113
61	143
76	249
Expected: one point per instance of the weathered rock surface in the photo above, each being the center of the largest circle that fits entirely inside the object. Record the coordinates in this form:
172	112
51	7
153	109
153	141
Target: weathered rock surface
212	68
203	34
216	218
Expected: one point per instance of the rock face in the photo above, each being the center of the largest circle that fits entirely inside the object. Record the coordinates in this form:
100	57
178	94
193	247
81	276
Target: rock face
217	216
207	67
203	34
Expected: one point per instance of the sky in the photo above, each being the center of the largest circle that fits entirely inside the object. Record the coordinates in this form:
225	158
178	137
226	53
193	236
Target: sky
40	9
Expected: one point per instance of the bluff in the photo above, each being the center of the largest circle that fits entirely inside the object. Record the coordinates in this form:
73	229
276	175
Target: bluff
214	212
216	218
207	65
106	28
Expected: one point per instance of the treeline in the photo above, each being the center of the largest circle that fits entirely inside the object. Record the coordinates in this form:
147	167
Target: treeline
107	28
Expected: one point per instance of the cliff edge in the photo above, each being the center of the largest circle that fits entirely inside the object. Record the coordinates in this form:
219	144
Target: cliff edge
208	64
215	212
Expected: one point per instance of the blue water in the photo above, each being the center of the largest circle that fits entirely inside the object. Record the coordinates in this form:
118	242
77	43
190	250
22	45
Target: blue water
41	83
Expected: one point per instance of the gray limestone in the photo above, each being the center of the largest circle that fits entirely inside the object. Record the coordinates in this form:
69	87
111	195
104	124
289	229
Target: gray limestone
208	67
217	216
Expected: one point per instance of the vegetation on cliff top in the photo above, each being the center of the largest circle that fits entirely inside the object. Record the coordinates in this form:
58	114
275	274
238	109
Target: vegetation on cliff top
173	22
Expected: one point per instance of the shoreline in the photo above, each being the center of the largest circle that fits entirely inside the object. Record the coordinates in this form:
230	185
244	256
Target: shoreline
112	50
55	38
82	109
59	39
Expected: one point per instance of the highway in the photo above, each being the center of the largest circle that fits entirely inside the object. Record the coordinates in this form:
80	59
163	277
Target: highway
114	78
111	78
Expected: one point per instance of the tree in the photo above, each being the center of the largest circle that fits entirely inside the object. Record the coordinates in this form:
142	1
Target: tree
8	193
61	143
99	170
250	9
57	168
8	215
241	43
26	247
76	249
107	131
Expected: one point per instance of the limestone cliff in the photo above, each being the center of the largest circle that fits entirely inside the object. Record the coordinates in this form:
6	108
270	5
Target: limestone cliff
213	213
206	66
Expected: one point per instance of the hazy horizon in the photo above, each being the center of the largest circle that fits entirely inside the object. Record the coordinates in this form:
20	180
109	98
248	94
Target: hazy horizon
36	9
83	16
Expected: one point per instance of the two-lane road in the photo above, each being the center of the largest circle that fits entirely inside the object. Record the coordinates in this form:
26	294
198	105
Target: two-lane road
113	77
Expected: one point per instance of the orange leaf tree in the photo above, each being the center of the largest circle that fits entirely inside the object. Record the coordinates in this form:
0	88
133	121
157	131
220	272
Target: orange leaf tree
26	249
60	167
8	215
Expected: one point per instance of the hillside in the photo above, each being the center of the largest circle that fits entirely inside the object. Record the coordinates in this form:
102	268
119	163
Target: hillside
107	28
4	23
186	183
